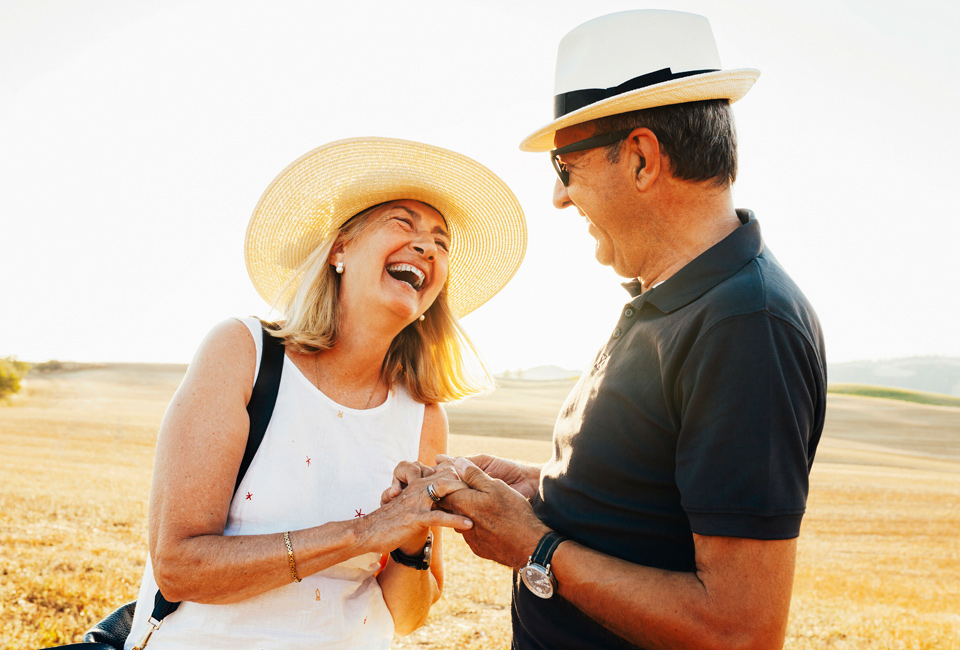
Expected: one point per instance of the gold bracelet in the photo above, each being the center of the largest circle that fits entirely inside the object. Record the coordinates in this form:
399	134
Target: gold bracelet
293	565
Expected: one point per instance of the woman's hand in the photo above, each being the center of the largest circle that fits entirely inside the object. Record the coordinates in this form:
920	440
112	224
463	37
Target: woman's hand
406	472
404	519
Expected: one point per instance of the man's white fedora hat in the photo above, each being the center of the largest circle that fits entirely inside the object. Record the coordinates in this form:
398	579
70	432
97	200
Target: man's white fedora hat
636	59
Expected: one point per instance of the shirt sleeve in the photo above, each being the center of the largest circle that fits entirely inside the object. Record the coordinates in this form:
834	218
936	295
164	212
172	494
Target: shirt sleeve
750	396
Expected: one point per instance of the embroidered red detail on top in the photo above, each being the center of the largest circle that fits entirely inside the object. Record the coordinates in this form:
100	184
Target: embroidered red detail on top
359	513
249	496
308	461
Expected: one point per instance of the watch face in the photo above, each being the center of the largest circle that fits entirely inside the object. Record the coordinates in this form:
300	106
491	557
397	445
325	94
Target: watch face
428	550
537	580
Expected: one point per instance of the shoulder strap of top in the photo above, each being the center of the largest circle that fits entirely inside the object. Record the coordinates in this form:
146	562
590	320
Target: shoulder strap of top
260	409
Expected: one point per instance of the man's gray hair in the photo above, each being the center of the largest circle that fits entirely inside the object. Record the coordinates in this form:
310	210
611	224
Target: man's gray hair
699	138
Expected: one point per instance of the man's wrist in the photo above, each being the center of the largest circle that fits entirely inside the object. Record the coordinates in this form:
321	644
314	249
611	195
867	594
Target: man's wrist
528	544
538	574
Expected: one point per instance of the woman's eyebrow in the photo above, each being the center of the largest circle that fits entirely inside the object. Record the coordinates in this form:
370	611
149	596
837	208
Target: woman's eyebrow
437	230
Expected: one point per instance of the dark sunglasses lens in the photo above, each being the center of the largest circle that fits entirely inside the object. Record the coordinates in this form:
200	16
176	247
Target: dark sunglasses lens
561	172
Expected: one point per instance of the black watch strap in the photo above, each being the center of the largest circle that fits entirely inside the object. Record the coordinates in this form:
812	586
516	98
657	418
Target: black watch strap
543	554
419	562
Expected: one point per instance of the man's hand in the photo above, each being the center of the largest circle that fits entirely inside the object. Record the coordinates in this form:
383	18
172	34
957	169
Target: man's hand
505	529
525	479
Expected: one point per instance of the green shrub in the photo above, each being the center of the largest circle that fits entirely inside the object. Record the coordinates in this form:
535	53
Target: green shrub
11	371
48	366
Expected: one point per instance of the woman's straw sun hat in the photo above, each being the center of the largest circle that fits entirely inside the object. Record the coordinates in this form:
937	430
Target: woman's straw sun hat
324	188
638	59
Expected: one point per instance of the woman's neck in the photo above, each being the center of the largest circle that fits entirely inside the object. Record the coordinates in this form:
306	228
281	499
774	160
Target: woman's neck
350	372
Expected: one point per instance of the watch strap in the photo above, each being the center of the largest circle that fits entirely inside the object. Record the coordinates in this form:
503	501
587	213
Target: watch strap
419	562
543	554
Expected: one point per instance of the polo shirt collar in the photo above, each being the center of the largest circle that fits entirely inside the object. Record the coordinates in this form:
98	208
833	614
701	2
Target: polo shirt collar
706	271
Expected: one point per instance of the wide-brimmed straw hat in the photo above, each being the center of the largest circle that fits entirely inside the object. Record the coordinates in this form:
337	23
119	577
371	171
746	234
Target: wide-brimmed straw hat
324	188
636	59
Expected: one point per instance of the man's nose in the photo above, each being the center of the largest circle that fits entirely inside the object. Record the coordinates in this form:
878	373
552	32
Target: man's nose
561	199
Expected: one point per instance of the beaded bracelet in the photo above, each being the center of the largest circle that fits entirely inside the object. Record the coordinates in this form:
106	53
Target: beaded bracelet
293	565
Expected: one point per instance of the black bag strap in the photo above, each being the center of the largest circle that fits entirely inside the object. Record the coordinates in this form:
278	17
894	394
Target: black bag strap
263	399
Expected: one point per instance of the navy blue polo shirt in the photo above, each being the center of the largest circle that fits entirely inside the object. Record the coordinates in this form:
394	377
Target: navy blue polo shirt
701	414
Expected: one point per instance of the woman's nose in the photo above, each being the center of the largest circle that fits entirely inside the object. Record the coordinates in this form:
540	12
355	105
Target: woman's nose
425	247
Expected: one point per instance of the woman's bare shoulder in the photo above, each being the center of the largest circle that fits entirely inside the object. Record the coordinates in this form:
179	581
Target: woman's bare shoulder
227	355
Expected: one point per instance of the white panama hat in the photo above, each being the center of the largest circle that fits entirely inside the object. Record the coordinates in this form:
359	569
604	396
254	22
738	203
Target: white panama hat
631	60
324	188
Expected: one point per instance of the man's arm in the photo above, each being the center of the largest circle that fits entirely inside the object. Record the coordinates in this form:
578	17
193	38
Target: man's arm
739	596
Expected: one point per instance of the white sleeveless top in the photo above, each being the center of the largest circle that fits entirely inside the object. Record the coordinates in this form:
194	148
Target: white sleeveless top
318	462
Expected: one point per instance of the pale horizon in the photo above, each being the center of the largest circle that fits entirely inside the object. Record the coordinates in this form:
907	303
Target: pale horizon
135	140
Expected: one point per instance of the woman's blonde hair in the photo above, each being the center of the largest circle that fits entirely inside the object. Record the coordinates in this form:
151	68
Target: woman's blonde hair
434	358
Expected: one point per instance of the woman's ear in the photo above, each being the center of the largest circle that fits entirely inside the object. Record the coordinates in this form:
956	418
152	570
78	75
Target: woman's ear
336	253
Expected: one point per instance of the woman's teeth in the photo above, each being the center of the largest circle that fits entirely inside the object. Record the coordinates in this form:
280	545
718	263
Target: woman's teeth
407	273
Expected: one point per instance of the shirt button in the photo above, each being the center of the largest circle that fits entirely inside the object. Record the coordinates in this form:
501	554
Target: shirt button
616	333
628	312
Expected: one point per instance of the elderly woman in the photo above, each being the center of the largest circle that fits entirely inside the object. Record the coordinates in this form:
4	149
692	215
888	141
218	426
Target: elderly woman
371	248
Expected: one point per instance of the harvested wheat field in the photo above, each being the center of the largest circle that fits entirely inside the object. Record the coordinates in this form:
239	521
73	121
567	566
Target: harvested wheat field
878	566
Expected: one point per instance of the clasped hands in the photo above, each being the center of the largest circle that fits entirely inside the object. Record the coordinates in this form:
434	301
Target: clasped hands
488	498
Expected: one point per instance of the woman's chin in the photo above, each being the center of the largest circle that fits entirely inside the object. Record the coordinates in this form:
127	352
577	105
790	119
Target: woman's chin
405	311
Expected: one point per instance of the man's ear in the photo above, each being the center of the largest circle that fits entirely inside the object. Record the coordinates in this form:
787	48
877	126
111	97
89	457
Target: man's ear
643	149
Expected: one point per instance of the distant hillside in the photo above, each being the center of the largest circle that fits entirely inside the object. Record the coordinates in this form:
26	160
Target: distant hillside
541	373
885	392
927	374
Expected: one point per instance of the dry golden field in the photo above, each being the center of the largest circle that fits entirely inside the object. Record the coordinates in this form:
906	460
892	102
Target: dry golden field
879	555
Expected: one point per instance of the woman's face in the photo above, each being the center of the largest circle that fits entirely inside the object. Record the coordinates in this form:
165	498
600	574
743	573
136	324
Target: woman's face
400	262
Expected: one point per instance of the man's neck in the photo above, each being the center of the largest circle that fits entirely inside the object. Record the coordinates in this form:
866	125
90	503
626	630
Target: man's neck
693	218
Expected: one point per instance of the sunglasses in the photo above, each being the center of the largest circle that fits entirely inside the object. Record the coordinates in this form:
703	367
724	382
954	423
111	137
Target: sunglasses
590	143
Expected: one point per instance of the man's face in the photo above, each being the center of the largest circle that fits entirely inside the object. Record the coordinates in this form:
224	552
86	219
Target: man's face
604	193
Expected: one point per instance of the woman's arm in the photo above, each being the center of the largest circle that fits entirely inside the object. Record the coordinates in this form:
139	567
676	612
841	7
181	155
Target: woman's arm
201	443
410	593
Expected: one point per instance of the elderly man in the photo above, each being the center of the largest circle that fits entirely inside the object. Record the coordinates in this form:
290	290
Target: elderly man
669	512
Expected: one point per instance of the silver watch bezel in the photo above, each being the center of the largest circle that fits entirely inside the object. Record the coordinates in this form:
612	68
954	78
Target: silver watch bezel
538	579
428	549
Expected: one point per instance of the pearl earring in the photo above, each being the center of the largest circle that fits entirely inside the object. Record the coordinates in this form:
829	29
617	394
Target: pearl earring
423	317
340	268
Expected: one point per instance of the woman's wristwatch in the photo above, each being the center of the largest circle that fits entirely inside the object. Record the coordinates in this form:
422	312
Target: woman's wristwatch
419	562
536	574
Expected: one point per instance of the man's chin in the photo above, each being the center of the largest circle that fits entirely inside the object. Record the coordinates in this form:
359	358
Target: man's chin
619	269
604	256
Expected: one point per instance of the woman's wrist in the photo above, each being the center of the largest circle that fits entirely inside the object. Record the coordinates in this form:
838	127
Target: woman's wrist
361	534
414	545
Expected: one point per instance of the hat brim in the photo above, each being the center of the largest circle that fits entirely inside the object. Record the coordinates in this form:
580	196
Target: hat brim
725	84
324	188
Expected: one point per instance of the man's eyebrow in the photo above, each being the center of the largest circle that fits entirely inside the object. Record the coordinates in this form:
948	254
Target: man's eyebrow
436	230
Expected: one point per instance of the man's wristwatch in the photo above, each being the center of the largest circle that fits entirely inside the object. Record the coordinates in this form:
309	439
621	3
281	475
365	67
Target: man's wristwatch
419	562
537	574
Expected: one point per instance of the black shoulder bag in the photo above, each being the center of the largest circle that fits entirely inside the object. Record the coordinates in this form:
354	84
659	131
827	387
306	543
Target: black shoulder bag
112	632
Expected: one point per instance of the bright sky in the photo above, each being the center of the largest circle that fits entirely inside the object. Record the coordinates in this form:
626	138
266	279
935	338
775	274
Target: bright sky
136	138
